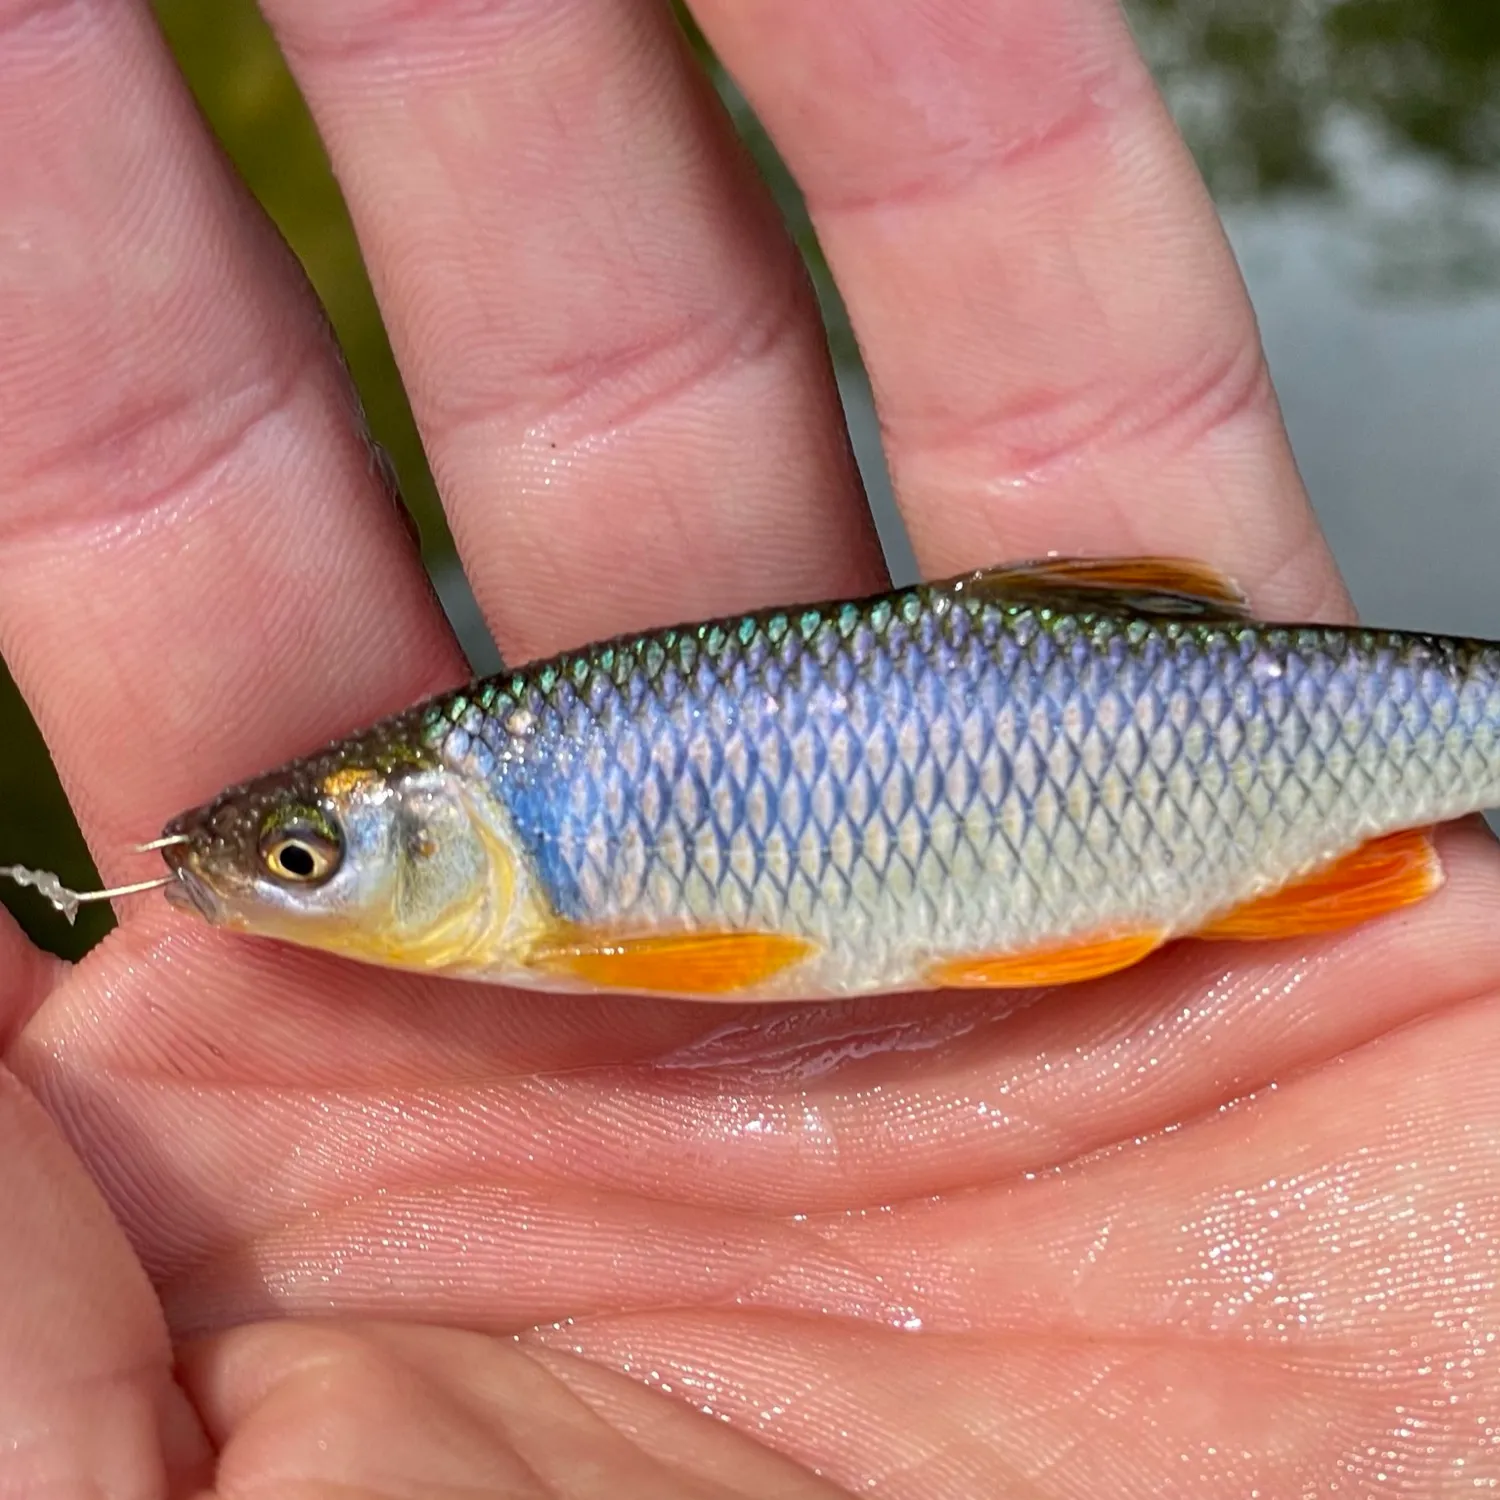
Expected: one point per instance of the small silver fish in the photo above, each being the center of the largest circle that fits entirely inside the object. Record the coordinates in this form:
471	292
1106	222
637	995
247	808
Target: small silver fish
1026	776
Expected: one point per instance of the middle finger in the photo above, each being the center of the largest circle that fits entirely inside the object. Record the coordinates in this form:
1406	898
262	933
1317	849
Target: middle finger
609	340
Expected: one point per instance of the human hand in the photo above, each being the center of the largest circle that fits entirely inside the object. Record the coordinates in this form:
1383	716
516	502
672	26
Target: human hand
1220	1225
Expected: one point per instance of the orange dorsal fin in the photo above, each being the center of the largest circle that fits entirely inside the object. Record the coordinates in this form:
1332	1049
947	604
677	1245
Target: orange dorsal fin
1087	959
1380	876
1173	586
687	963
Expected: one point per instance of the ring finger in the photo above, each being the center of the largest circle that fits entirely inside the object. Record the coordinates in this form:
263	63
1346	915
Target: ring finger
1062	352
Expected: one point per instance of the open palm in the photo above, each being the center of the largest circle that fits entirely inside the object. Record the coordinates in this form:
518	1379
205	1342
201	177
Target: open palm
1224	1225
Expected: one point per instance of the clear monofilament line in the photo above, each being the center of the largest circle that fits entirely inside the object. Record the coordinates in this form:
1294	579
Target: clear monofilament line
48	885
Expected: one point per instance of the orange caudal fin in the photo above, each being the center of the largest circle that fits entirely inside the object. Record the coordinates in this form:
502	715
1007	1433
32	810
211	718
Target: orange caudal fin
688	963
1380	876
1070	964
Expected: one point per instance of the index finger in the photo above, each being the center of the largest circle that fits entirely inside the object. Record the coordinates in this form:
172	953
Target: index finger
199	574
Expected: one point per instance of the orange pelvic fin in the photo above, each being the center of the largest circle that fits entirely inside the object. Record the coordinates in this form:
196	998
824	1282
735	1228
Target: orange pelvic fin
1380	876
1088	959
1140	585
687	963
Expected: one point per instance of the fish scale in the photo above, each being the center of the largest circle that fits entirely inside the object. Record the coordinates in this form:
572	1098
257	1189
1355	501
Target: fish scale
937	774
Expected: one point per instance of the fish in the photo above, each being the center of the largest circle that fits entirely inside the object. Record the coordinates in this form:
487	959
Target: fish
1027	776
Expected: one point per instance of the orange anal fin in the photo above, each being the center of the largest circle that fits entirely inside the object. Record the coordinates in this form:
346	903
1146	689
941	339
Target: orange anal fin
688	963
1088	959
1380	876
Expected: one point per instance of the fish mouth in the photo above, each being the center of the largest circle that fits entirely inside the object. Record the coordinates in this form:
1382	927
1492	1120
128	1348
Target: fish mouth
189	893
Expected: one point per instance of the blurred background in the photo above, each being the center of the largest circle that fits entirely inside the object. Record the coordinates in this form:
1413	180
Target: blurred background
1353	147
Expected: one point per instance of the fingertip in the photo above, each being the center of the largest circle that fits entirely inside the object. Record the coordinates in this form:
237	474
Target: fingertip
231	1373
27	976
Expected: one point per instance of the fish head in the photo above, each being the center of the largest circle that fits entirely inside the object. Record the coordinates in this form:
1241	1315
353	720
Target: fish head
386	860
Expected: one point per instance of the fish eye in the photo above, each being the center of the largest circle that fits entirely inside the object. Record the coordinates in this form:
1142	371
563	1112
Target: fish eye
299	853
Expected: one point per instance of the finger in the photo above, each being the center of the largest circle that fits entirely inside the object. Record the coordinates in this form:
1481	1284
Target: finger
198	573
1062	351
26	976
388	1412
609	341
1297	1293
87	1400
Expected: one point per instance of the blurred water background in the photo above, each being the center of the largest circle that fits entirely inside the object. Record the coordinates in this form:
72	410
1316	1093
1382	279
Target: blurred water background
1353	147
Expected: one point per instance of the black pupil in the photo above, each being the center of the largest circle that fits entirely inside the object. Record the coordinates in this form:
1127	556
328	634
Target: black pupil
297	860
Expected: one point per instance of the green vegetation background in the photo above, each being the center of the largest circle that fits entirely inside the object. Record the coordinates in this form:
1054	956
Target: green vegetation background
1254	82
